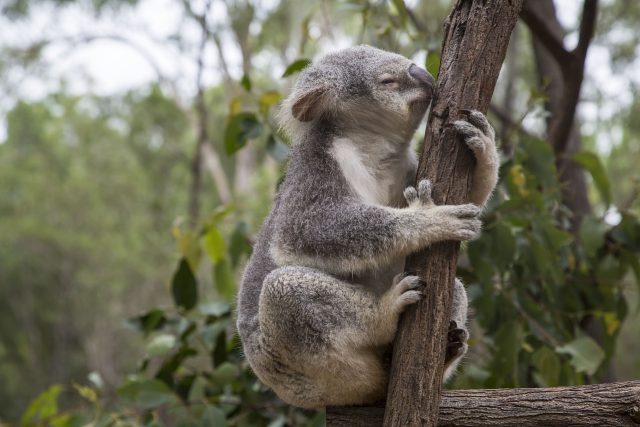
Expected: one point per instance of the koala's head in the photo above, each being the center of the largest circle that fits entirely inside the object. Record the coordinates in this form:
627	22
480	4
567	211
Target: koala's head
360	88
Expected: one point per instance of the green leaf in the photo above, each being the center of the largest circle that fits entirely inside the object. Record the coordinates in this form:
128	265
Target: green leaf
224	280
246	83
591	163
42	407
276	149
432	63
224	374
145	393
213	416
214	244
210	333
586	354
160	344
219	354
508	340
184	287
216	308
220	213
296	66
547	365
148	322
503	246
169	367
268	100
241	128
239	243
592	234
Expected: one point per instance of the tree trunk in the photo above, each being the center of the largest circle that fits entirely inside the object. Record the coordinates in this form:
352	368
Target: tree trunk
616	404
475	42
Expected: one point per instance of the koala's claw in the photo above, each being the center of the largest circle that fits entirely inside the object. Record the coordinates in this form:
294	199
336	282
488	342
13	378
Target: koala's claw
457	335
454	350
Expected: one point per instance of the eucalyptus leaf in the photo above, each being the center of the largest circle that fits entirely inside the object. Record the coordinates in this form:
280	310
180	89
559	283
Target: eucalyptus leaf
591	163
184	287
160	344
296	66
586	354
224	281
146	394
214	245
241	128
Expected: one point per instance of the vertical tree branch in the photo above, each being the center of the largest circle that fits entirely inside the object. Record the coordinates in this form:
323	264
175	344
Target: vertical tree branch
475	43
571	64
202	119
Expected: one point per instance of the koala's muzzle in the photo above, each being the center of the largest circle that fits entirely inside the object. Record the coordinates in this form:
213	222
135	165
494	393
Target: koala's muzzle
421	75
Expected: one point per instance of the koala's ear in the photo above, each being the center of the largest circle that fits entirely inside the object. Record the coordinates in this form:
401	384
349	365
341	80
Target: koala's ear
311	103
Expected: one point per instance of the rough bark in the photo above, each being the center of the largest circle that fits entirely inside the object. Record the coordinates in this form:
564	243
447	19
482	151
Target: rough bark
615	404
475	43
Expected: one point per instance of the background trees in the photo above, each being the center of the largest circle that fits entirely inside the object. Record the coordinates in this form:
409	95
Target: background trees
140	201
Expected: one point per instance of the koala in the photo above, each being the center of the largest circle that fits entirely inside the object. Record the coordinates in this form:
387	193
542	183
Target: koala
322	293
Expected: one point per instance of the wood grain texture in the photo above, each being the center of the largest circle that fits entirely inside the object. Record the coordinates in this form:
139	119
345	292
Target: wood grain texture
614	404
475	42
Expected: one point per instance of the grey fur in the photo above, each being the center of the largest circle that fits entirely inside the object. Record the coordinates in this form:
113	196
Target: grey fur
323	290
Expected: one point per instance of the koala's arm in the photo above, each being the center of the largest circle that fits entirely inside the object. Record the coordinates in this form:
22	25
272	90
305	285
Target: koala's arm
480	137
347	238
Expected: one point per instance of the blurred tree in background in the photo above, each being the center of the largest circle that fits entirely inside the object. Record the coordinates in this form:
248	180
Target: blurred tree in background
135	210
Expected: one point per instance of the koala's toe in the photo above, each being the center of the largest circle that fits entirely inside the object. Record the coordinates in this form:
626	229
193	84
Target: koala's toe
410	282
424	191
467	211
410	195
466	129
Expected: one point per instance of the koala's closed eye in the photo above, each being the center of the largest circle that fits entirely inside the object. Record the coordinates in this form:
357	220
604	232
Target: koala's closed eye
388	80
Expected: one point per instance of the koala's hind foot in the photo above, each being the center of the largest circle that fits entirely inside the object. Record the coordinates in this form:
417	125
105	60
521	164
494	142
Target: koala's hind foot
457	335
320	339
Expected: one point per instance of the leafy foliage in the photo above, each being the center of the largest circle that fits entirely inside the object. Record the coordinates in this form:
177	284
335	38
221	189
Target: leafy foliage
535	286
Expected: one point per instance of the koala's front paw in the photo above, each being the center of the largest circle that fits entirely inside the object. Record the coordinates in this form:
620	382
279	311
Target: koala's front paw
477	133
406	290
446	222
456	343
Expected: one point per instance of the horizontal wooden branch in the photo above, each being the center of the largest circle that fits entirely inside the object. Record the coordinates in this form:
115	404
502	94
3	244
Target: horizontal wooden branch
614	404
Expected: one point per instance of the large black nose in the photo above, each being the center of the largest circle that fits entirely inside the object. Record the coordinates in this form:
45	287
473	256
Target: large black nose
421	75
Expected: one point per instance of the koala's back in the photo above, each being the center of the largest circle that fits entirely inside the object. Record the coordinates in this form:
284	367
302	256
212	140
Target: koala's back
312	177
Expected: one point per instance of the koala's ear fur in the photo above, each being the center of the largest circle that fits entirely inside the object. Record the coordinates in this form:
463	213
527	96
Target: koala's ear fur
311	103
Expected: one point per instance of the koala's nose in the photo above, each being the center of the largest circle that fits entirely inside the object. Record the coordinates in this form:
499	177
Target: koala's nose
421	75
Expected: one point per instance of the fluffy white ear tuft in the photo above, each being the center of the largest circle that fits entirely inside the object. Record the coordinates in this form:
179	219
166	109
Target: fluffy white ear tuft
311	103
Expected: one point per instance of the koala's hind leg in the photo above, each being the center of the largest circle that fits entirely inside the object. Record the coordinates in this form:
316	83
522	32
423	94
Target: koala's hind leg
322	338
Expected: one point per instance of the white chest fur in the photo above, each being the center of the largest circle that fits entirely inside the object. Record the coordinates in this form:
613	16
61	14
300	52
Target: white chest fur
375	170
